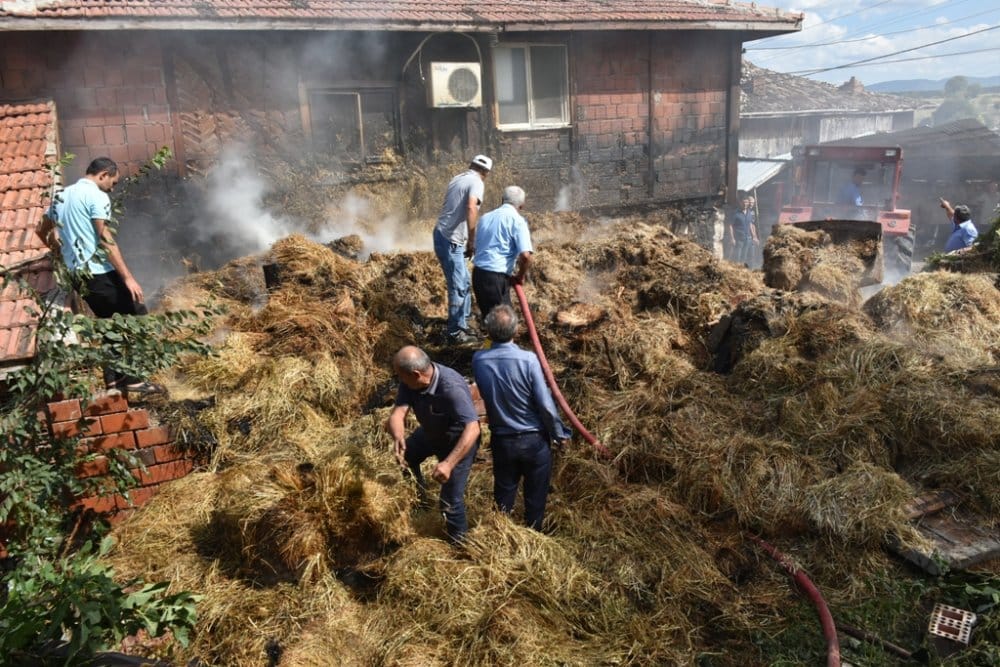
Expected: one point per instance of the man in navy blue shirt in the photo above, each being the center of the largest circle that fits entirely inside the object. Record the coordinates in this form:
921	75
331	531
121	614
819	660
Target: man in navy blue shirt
743	232
523	417
850	193
449	430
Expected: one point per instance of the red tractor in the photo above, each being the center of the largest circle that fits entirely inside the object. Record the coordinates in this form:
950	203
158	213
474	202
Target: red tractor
851	192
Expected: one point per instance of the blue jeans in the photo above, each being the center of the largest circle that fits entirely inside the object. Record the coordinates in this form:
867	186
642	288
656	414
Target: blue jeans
456	276
527	456
452	500
743	250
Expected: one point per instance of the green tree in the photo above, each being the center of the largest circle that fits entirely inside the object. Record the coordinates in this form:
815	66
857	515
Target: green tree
58	601
956	86
953	108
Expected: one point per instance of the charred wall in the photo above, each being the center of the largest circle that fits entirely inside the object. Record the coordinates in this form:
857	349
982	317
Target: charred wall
125	94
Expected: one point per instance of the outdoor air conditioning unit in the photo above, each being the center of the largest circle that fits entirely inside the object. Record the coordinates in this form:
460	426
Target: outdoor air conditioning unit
455	85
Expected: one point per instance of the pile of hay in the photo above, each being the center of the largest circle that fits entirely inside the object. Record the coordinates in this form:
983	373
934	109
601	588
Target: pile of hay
799	260
816	433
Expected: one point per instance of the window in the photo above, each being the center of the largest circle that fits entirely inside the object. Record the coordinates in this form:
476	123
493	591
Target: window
354	125
531	86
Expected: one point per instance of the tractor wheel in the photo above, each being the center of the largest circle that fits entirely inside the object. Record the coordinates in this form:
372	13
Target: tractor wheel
902	252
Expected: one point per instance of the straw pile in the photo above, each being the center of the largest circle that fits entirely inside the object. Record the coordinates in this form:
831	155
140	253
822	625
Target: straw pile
819	428
795	259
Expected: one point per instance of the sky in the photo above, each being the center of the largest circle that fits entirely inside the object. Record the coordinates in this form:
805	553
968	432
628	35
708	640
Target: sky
870	28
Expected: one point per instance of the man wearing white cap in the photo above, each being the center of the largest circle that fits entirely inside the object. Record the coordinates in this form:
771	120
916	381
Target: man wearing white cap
454	238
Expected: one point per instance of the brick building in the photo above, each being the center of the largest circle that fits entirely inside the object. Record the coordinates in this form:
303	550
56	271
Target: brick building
634	101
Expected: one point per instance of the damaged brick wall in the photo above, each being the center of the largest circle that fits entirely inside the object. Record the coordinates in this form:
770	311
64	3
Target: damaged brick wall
108	425
109	90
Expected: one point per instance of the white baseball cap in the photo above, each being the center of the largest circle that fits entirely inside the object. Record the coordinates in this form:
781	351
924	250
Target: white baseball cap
483	161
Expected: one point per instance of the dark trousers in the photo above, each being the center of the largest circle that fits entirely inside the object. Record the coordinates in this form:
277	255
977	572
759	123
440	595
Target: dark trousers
106	294
452	500
527	456
491	289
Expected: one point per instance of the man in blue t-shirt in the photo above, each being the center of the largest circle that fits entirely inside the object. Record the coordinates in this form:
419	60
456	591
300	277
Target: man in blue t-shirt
523	417
503	251
449	430
964	231
743	232
77	224
850	193
454	237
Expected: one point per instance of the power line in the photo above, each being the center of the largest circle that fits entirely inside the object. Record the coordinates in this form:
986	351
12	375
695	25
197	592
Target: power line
897	19
864	39
942	55
838	17
894	53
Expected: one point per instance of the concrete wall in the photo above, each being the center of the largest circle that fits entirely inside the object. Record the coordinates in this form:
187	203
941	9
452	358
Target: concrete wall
125	94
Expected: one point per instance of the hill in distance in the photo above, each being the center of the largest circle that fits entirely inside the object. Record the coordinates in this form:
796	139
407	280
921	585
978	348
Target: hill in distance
926	85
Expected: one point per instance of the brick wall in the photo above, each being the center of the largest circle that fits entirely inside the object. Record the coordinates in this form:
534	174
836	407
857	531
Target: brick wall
109	425
610	146
109	90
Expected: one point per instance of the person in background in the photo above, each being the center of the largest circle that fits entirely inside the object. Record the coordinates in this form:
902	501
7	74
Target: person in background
850	192
964	231
523	418
743	232
77	224
454	239
449	430
503	251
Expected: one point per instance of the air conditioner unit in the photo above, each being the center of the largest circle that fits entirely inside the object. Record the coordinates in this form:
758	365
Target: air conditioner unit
455	85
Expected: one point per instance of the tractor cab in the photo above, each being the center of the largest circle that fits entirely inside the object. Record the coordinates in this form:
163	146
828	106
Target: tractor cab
844	184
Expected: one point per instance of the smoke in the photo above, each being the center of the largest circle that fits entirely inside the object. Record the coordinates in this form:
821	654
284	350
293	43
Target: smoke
234	202
354	215
572	194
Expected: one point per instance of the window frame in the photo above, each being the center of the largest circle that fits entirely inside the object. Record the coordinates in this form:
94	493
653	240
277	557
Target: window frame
532	124
358	89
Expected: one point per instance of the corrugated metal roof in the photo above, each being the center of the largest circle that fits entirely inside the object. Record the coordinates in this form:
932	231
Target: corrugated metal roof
27	144
752	173
964	138
419	14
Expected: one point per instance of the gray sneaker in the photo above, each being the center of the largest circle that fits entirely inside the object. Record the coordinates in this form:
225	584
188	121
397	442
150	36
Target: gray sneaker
462	338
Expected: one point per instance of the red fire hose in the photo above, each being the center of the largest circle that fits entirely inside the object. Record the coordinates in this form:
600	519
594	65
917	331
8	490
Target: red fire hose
551	380
802	579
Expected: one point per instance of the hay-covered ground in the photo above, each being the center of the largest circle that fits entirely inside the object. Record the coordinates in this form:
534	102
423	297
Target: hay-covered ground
308	546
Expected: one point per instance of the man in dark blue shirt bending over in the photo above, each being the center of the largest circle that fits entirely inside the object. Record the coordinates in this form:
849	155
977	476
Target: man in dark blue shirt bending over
449	430
523	417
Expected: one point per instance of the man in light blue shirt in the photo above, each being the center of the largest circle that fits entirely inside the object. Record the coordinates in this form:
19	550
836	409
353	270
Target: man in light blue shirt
454	236
850	193
964	231
522	415
503	244
77	224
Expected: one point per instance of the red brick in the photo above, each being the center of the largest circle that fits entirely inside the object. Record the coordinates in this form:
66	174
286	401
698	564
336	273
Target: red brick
72	429
119	516
138	152
145	456
93	468
125	421
104	443
163	472
119	154
114	135
155	134
105	405
113	76
166	453
63	411
138	497
152	436
99	504
93	135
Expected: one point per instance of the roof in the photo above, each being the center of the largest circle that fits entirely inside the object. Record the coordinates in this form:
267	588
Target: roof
967	137
483	16
27	144
755	171
766	92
